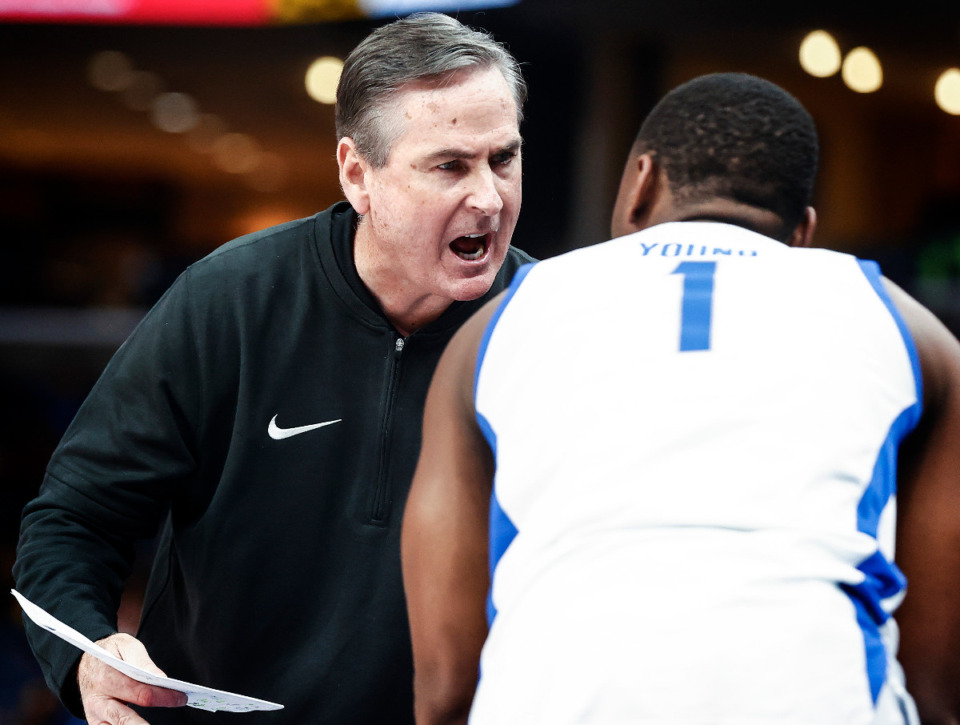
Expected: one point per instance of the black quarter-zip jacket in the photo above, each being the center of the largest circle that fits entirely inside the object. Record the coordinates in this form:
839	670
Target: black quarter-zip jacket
277	572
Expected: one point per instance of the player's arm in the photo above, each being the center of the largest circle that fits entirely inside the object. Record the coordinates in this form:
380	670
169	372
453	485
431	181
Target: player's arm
928	529
444	538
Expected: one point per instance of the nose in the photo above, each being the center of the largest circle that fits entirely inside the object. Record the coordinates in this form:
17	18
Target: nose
484	196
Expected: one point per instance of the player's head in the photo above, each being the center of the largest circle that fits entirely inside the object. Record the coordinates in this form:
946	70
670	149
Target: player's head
737	142
422	47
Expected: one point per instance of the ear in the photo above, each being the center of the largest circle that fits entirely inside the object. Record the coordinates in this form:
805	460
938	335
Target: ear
802	235
353	174
635	198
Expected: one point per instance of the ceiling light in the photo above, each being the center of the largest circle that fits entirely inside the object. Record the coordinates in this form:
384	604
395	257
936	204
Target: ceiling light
109	70
820	54
322	78
174	112
947	91
861	70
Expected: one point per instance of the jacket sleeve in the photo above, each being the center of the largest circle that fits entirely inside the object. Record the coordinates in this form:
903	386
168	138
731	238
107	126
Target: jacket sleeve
111	481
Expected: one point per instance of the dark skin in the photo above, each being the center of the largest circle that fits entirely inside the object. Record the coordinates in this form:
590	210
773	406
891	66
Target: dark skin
928	526
445	538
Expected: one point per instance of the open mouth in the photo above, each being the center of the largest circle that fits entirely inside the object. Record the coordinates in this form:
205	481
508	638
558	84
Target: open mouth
470	247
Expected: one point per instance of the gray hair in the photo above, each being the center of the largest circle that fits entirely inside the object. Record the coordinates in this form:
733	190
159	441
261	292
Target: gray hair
421	47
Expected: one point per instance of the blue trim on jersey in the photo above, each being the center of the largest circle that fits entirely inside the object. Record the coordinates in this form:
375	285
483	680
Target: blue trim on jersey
882	578
871	271
502	533
502	529
518	277
874	648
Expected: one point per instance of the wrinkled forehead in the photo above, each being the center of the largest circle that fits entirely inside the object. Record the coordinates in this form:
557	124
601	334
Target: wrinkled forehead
471	102
460	84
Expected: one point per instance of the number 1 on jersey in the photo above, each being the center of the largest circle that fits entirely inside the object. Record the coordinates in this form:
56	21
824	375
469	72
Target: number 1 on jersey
697	305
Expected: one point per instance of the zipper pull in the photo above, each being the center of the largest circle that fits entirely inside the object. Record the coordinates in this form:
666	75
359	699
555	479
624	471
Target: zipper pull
398	348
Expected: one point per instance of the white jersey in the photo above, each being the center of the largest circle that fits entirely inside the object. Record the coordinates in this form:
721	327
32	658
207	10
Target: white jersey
696	431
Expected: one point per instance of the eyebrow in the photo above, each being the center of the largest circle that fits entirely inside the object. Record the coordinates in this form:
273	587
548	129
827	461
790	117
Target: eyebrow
453	153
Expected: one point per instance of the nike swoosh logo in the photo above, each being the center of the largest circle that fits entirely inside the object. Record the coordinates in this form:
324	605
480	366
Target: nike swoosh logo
278	433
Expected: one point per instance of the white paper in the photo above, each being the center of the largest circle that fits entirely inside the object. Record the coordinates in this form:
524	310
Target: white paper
202	698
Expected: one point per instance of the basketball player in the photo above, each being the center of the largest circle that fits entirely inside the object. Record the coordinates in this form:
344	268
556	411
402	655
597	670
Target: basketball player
659	475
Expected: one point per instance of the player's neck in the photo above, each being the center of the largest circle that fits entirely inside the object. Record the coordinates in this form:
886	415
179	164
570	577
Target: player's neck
762	221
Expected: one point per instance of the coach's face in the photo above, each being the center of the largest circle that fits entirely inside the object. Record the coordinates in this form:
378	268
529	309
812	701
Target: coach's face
439	216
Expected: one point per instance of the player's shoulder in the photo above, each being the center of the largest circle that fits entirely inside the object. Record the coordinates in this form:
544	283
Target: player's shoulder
937	347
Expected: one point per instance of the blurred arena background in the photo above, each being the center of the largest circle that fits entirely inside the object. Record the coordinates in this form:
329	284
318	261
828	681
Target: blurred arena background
138	135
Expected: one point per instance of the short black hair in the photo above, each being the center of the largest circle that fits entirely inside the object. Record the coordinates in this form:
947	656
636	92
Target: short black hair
735	136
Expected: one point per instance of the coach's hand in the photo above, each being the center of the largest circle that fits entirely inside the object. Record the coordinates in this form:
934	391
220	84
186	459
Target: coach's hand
106	692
